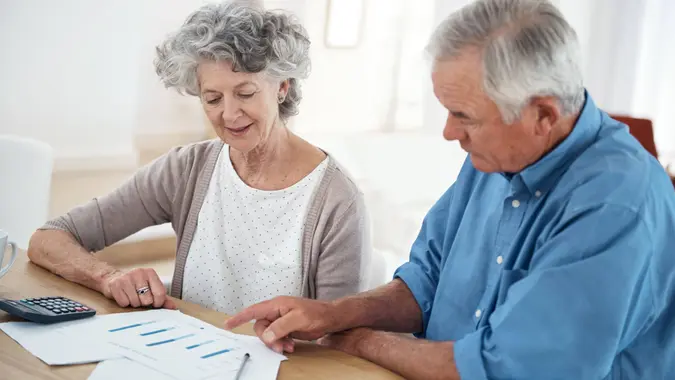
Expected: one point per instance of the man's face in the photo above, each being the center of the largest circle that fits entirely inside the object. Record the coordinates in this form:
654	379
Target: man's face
475	121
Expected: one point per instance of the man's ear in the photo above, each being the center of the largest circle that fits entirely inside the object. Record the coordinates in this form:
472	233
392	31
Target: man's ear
547	113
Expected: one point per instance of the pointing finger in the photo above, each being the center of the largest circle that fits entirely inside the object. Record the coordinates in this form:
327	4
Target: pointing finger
265	310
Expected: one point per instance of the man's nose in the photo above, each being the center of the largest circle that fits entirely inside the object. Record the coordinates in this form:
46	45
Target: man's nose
453	130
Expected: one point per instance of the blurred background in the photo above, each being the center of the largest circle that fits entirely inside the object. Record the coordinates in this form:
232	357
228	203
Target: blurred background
78	76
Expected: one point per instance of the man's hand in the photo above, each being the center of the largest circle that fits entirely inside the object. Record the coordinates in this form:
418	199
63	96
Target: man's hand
282	319
123	288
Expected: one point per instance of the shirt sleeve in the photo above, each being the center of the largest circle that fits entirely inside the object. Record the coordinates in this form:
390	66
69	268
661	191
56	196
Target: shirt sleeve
422	271
143	200
586	295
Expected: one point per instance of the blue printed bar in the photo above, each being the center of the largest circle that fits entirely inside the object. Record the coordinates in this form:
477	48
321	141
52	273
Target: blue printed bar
130	326
169	340
157	331
199	344
214	354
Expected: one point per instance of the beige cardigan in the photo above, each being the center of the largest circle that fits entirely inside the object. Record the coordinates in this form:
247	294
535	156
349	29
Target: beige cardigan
336	238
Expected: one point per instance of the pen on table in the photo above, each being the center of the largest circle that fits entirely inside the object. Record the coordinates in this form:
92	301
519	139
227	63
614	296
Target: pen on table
241	367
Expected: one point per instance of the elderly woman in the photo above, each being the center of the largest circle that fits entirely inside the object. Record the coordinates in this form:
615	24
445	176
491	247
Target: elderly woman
258	213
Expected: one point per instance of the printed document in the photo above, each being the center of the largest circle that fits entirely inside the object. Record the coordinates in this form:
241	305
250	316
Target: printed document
165	342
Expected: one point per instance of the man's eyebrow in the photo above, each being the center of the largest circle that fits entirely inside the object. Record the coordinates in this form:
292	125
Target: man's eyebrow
459	115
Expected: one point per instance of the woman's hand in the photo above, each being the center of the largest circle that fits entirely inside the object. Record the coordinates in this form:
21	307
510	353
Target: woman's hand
136	288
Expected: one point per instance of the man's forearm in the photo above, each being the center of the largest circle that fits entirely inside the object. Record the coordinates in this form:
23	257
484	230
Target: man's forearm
59	253
409	357
391	307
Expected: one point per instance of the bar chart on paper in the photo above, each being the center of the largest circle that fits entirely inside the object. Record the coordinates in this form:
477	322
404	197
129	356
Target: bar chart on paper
177	348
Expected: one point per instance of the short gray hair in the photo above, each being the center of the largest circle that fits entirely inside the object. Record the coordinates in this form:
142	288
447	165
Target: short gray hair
528	49
251	38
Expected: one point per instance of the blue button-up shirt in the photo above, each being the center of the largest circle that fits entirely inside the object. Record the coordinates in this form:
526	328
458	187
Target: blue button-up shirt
565	270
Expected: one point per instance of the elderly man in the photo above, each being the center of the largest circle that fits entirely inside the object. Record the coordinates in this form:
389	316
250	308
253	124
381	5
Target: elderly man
552	255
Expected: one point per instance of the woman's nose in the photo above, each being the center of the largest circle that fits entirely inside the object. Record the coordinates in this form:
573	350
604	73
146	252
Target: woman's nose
231	111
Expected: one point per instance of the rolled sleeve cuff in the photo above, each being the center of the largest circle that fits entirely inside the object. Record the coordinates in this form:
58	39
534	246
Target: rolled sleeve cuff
468	354
422	288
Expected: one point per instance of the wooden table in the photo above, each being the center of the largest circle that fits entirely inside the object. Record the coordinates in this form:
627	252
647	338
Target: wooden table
26	279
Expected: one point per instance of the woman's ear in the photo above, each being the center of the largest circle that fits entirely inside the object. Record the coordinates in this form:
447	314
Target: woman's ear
284	86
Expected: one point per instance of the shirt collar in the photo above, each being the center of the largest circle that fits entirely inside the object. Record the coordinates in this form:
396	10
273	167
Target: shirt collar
540	177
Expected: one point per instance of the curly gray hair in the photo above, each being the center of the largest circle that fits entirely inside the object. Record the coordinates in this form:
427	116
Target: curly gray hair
251	38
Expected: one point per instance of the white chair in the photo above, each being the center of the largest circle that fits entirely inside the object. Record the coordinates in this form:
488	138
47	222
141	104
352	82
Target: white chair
26	167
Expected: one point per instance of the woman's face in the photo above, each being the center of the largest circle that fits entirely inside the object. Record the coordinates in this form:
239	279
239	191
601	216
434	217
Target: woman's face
243	108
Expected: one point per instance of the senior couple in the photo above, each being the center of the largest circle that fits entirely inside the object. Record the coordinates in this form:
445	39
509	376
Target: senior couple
552	256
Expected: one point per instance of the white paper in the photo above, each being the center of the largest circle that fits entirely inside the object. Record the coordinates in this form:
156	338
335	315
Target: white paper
167	343
186	348
172	362
124	368
50	345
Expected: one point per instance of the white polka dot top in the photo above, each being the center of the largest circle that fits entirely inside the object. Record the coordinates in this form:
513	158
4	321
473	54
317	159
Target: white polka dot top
247	244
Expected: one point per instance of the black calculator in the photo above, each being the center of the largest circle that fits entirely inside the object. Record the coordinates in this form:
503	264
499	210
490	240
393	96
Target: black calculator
46	309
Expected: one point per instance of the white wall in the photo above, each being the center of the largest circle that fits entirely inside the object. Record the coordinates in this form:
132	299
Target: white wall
162	111
78	75
348	89
610	34
69	75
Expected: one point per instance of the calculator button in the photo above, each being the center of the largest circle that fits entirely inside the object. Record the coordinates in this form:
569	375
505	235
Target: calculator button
85	308
79	309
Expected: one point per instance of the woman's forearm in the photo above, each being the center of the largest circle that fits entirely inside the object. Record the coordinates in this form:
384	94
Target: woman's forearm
58	252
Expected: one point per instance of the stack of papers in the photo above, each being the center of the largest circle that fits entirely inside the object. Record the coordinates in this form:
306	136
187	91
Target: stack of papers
153	344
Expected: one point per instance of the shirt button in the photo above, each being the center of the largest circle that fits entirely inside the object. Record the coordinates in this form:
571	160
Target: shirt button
537	193
478	313
500	260
515	203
